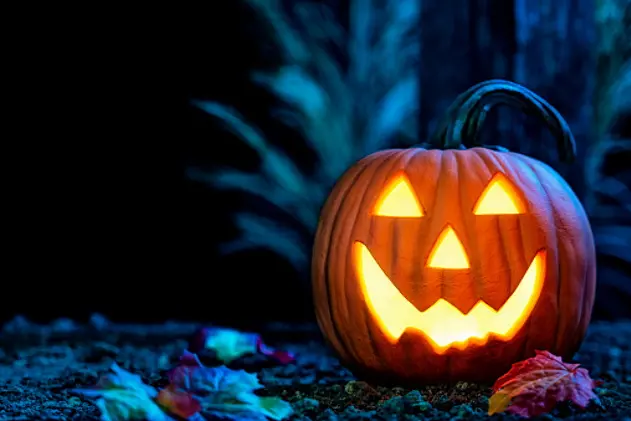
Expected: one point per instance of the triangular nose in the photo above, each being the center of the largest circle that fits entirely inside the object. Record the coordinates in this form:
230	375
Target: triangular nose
448	252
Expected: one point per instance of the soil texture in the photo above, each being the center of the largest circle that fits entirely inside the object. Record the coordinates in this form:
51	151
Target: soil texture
39	365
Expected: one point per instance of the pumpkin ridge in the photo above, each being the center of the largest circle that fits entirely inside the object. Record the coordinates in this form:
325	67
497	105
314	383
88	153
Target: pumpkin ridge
533	165
447	156
355	213
586	312
418	256
520	182
562	315
493	160
328	238
558	247
383	167
392	272
335	228
424	257
474	249
406	159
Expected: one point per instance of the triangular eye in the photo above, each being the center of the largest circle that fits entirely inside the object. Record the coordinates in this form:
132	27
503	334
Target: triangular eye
398	200
499	198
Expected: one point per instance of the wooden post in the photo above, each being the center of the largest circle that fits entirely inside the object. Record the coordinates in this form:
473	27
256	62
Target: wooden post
545	45
555	58
491	53
445	64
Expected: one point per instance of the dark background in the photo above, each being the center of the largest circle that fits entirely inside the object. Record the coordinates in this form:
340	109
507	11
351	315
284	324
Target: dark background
102	216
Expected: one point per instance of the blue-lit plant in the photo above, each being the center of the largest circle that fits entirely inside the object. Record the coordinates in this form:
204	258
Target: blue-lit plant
343	112
608	198
609	187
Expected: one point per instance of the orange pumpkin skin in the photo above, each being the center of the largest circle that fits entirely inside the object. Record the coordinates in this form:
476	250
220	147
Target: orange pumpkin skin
447	184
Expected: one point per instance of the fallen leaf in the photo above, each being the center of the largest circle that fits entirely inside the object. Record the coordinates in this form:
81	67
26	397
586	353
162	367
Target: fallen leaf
283	357
230	344
534	386
178	402
122	396
225	393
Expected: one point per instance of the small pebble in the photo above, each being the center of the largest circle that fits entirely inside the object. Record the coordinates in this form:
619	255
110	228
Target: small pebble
306	406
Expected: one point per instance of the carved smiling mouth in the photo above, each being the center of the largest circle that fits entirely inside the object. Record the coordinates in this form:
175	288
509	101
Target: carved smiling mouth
443	324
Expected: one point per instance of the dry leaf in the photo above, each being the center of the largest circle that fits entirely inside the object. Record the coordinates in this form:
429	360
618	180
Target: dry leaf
178	402
122	396
230	344
534	386
221	392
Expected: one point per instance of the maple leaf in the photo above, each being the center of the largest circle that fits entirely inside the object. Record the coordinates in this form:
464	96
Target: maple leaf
534	386
230	344
224	393
122	396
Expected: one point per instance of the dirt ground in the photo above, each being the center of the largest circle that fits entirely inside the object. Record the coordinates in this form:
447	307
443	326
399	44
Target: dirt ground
40	364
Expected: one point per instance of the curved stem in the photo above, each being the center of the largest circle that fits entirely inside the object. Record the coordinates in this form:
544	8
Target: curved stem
464	118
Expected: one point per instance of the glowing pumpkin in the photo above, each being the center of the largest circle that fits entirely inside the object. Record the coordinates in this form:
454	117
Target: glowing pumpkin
445	263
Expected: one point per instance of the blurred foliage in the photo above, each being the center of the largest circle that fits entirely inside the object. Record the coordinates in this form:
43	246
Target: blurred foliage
613	92
348	93
351	89
607	173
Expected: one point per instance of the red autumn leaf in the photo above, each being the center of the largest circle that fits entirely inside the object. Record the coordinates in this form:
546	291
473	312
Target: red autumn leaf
534	386
183	375
177	398
178	402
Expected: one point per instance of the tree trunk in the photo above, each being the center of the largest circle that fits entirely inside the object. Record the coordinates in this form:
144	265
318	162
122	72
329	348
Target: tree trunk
491	52
555	58
445	65
544	45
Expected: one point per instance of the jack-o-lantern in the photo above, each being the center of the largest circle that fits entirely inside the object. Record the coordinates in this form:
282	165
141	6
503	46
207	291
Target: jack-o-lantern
442	263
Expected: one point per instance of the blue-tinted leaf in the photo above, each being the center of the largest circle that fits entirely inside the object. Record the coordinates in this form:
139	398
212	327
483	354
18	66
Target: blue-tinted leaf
277	166
342	110
294	86
296	205
614	241
230	344
399	105
298	89
235	123
228	394
288	40
122	396
621	95
322	24
617	191
260	232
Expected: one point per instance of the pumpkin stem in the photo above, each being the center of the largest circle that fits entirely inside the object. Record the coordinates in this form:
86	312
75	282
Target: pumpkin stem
464	118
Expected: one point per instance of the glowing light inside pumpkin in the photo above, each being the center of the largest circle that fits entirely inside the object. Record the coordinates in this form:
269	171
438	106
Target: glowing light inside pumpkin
443	324
448	253
398	200
499	198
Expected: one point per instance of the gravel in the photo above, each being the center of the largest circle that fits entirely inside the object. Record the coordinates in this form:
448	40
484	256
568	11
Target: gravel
39	364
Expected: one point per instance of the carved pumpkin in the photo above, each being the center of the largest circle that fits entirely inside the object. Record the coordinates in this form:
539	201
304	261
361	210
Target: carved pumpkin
442	263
